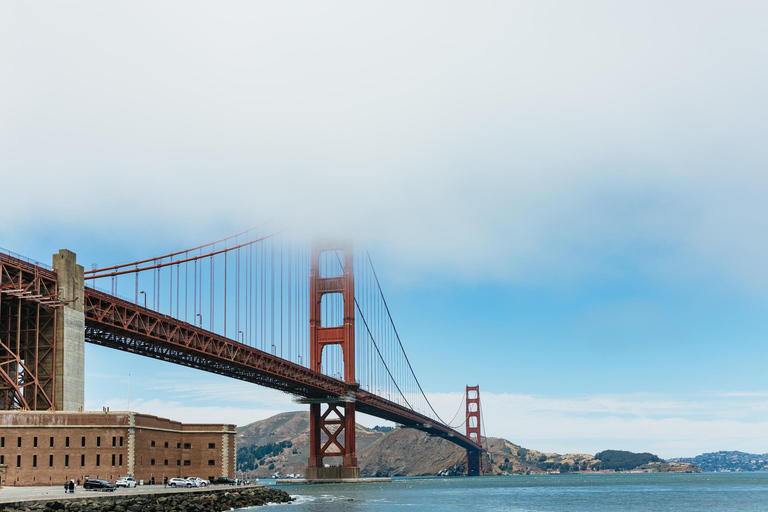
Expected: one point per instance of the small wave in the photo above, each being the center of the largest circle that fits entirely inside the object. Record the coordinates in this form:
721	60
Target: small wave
302	498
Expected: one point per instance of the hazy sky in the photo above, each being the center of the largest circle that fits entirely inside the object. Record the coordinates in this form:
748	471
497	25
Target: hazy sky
573	193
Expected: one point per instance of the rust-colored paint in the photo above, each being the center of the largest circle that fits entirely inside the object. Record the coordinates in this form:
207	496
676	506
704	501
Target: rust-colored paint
474	464
28	302
337	424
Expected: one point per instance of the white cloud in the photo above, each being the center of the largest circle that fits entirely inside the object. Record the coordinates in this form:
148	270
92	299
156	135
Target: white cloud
535	140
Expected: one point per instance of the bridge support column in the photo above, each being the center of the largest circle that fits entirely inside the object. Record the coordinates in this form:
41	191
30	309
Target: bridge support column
332	432
69	394
474	457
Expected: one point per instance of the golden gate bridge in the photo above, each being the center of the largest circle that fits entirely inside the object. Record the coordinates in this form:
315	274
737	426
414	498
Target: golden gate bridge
267	307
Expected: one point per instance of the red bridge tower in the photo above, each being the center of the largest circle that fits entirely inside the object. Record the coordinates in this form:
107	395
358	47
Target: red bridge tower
474	461
332	433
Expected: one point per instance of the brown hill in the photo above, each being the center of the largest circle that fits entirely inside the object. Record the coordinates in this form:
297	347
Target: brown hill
286	427
280	444
409	452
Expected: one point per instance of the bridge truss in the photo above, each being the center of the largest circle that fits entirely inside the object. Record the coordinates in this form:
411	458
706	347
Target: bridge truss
28	314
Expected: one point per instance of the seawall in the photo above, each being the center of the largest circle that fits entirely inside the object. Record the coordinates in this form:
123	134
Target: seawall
204	500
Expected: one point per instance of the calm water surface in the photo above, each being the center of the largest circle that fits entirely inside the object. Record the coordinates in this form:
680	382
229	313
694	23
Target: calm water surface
641	492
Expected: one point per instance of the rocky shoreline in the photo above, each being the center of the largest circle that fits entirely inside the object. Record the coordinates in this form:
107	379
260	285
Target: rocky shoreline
212	501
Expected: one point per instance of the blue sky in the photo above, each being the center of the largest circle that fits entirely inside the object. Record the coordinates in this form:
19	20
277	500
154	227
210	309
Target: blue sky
565	203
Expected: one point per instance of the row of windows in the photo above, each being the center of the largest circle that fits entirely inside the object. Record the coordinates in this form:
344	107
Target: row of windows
66	441
117	460
187	446
178	462
115	439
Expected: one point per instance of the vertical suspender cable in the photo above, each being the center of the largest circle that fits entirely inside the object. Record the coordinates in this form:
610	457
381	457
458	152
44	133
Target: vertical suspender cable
272	297
290	302
186	291
237	297
281	294
170	290
213	296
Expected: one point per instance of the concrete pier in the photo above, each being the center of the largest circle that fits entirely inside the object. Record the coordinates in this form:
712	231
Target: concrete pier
69	388
333	473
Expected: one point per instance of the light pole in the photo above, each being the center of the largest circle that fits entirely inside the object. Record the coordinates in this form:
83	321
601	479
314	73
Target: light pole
201	319
145	299
241	336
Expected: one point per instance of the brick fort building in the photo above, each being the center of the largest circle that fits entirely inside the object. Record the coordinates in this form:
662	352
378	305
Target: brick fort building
49	448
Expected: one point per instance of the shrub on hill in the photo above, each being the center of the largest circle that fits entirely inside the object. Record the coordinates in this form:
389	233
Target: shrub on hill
248	456
620	460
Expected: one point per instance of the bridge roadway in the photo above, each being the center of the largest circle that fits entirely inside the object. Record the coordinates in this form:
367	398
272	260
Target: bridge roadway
116	323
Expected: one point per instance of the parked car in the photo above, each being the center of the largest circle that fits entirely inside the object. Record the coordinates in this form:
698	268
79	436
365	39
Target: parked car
93	484
125	481
180	482
197	481
220	480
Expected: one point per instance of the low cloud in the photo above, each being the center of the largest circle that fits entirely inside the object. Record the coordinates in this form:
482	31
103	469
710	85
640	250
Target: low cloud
529	142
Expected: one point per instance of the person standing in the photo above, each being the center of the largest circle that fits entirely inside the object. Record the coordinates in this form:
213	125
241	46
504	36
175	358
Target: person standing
165	482
66	487
71	487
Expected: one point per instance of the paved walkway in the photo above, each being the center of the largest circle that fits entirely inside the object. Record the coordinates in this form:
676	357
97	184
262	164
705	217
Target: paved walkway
16	494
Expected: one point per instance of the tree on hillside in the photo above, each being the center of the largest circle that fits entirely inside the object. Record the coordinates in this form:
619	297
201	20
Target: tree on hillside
620	460
248	457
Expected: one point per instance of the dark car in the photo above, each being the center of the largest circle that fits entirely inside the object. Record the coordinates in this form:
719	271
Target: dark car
93	484
219	480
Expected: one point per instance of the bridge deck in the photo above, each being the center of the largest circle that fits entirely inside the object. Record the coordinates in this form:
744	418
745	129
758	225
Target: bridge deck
123	325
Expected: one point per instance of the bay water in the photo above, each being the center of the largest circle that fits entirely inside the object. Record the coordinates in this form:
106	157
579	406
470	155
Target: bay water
717	492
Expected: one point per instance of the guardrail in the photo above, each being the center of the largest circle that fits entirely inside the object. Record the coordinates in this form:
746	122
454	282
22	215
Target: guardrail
25	259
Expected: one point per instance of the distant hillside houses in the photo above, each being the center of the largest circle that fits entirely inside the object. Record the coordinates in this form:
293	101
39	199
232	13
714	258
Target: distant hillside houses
725	461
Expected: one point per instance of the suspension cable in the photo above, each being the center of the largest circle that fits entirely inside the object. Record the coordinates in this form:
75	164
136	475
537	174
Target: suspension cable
115	267
375	345
177	262
376	277
457	410
380	356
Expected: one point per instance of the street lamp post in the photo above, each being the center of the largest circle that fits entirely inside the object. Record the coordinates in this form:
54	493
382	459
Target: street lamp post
145	299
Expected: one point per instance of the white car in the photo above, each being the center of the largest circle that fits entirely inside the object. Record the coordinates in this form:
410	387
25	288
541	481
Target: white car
197	481
125	481
180	482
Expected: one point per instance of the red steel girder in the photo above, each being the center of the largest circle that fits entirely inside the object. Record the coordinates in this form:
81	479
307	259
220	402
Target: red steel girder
117	323
28	298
